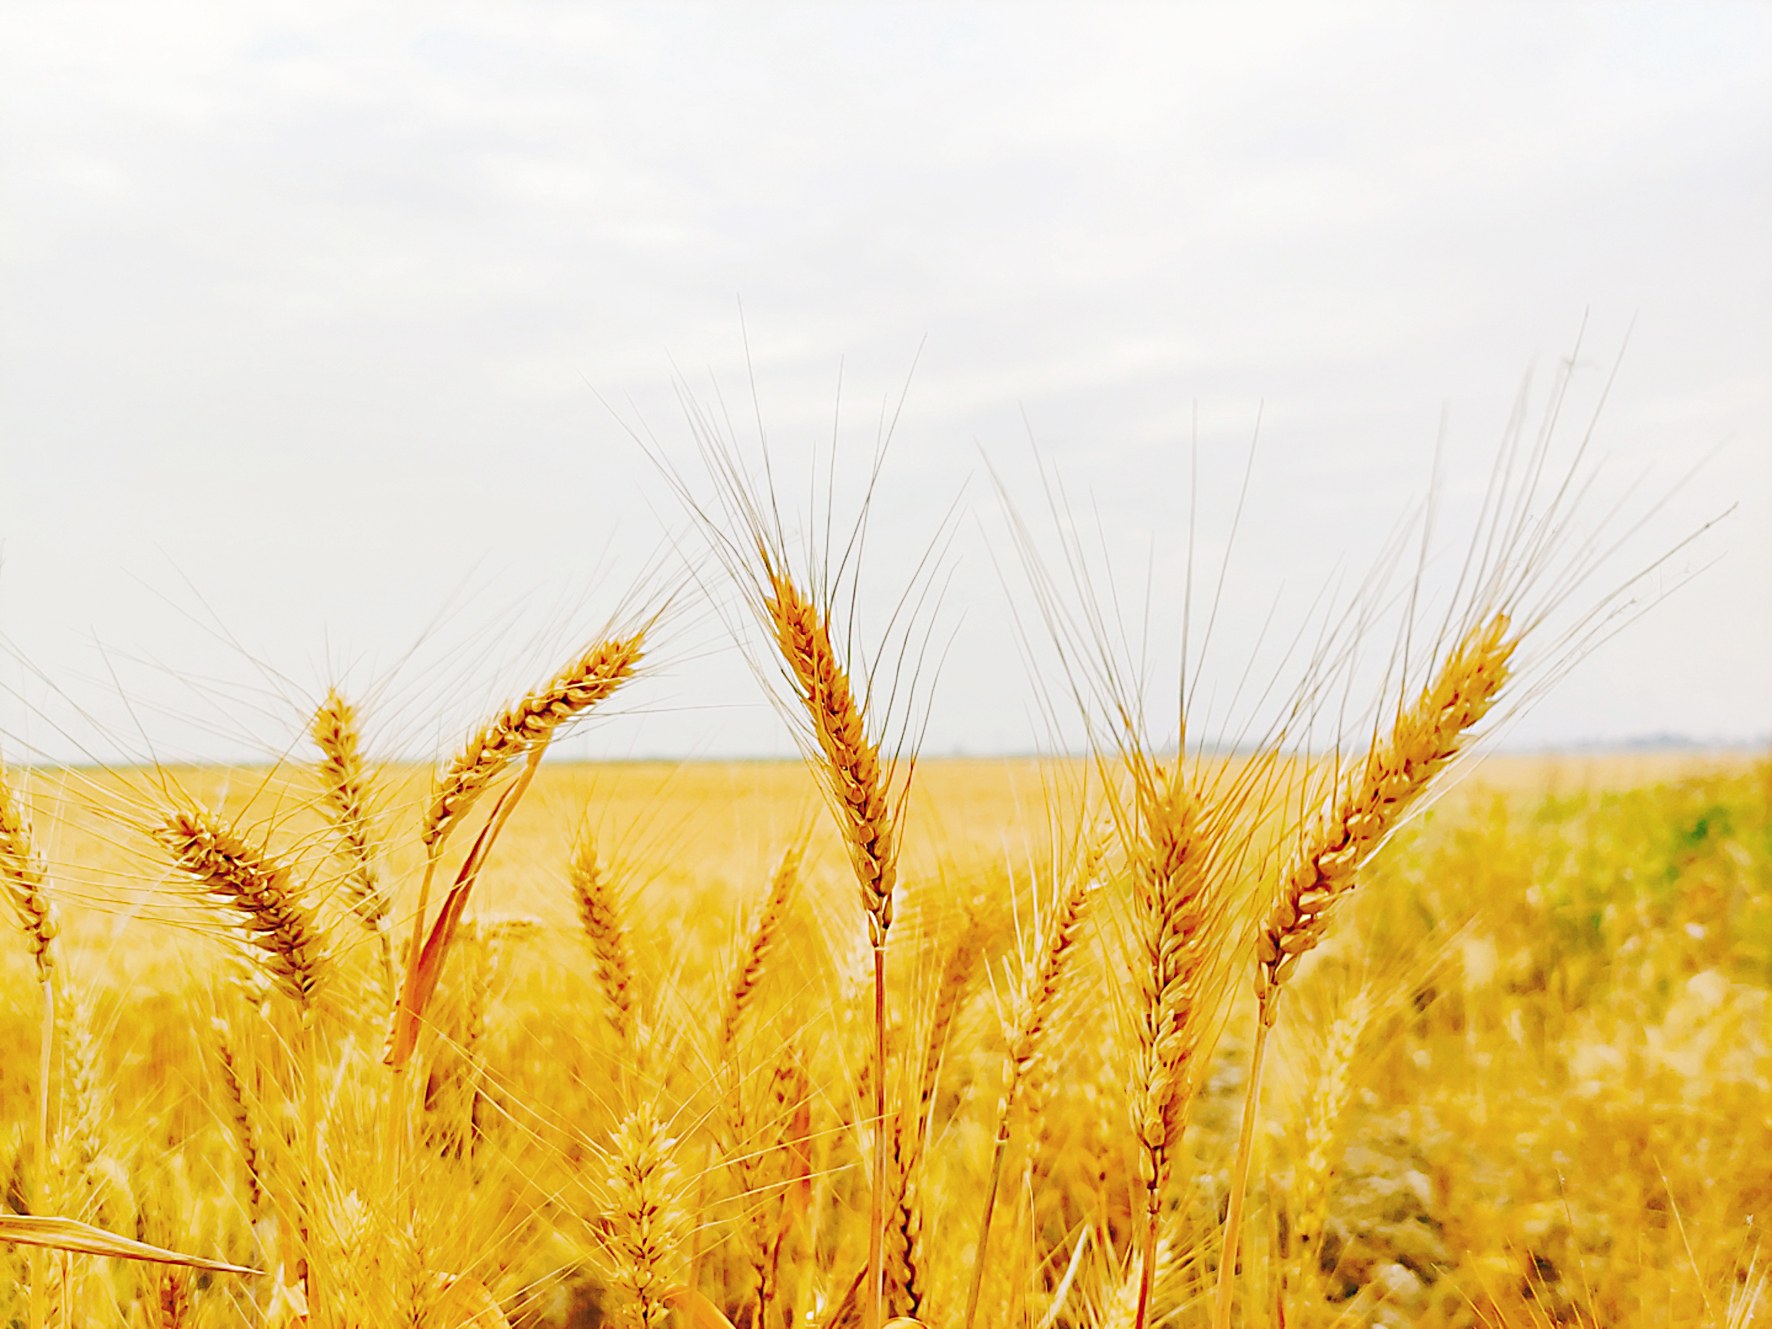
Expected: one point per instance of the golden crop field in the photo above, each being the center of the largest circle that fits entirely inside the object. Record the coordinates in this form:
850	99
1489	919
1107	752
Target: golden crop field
1528	1081
1297	1032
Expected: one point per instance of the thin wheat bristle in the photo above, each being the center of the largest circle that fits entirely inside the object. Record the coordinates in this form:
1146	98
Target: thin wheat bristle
345	785
519	728
283	928
600	916
647	1230
748	974
853	768
1395	773
25	883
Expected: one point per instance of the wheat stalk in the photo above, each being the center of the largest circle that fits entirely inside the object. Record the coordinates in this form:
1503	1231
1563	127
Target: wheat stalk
259	888
857	782
1180	940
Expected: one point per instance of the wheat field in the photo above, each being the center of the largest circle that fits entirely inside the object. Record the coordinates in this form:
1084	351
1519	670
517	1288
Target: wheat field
1303	1031
1529	1085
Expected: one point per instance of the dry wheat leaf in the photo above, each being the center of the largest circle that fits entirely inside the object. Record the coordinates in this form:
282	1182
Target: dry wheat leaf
67	1234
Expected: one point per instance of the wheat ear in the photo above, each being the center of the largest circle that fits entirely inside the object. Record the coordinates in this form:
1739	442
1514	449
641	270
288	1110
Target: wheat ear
1424	737
599	914
775	1177
345	785
260	889
647	1229
522	730
853	769
857	782
240	1114
747	975
1395	774
910	1129
1036	1001
524	725
1323	1120
1180	929
25	884
173	1304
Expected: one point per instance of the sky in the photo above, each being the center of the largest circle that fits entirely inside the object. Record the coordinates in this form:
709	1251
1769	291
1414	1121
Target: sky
351	344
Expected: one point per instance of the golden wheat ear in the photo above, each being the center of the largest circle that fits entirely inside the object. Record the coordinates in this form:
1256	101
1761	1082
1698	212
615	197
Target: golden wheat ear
346	800
524	725
1044	976
261	892
25	883
1425	737
600	915
860	752
647	1228
522	730
766	929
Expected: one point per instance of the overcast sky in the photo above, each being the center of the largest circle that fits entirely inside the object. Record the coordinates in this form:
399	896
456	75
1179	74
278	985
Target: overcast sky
322	327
